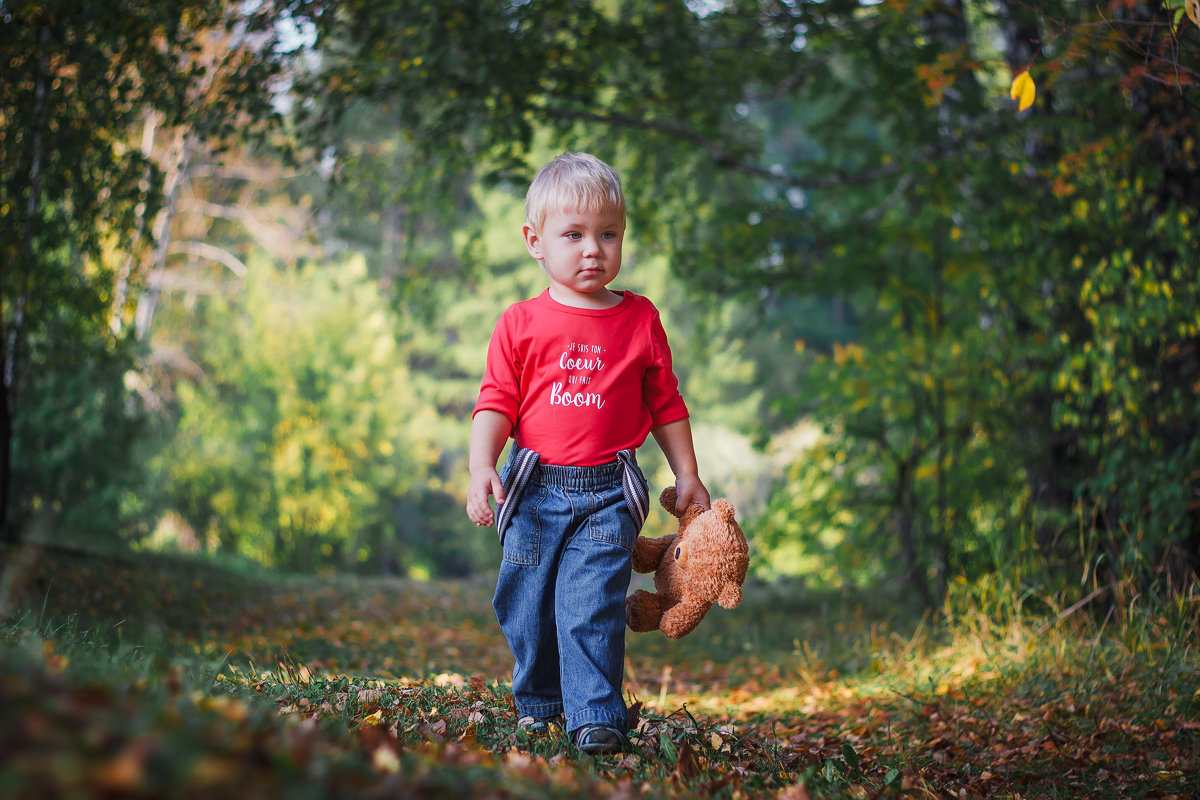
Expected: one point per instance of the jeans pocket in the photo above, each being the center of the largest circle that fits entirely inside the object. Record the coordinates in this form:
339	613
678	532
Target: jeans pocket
522	540
612	521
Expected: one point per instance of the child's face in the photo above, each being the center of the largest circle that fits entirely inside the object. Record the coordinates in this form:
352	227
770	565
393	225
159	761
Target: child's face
581	252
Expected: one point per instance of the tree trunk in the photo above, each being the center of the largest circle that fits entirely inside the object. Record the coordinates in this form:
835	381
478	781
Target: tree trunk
942	511
186	145
121	284
14	330
944	23
906	523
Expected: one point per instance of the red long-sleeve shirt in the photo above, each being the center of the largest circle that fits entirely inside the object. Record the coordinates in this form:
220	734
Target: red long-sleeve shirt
580	384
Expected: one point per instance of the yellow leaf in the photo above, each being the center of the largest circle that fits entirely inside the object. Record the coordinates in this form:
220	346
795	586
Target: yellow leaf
1193	11
1023	90
373	719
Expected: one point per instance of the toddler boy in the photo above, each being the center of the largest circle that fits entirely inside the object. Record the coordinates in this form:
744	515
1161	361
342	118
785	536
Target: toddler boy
577	376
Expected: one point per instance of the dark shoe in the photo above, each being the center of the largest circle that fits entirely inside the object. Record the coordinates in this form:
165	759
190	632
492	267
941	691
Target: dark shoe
599	739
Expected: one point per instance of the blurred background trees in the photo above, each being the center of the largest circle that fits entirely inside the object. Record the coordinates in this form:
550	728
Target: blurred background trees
252	259
102	106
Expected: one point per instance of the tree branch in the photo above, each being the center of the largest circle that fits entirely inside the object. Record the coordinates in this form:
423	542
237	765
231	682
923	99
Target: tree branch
266	236
243	173
212	252
170	281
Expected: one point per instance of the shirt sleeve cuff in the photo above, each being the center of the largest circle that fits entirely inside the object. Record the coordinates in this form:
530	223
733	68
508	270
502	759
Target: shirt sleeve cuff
671	412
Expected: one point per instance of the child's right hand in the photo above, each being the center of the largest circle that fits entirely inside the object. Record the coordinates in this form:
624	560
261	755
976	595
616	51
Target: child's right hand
484	482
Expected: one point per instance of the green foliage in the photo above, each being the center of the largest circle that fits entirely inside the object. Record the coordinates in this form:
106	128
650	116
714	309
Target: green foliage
382	197
982	396
1127	374
81	446
305	432
77	198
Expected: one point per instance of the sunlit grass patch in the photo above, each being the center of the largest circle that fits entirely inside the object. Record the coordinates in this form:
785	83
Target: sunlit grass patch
988	701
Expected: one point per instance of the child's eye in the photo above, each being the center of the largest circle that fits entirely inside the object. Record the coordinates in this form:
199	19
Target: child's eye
609	235
573	235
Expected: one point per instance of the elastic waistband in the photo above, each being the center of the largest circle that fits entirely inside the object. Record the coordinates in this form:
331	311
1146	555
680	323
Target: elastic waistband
524	466
600	476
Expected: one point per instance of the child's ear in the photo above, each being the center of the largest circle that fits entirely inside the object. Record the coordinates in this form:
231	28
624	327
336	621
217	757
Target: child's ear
533	241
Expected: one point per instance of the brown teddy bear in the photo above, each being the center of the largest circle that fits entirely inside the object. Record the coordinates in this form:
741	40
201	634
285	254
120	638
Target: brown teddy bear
704	563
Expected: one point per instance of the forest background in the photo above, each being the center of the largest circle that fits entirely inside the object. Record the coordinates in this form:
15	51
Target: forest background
929	271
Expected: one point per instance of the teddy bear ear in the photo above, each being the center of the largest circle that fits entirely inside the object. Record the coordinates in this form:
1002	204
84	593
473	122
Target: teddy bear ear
690	514
667	499
731	596
724	509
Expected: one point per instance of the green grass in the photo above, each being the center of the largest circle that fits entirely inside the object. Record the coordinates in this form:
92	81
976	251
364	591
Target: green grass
162	676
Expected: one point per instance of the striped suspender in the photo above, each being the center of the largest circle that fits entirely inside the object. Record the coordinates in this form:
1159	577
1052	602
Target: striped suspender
636	496
523	466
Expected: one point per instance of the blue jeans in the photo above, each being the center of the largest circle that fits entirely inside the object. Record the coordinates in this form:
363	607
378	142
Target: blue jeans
560	596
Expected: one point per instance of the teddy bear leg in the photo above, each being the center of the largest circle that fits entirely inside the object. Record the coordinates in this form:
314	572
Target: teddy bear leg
643	610
682	618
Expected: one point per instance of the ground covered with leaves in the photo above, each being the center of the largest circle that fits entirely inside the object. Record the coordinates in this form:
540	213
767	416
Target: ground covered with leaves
152	676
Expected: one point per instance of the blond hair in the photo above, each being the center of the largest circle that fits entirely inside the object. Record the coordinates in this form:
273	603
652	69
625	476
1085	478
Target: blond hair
573	182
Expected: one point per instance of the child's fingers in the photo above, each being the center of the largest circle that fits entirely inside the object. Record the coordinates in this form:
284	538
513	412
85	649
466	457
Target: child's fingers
479	511
482	518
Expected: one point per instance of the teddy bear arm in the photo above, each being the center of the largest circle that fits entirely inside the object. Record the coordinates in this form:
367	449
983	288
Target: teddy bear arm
647	553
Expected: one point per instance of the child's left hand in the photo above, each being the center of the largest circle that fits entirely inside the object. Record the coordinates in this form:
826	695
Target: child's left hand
690	489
